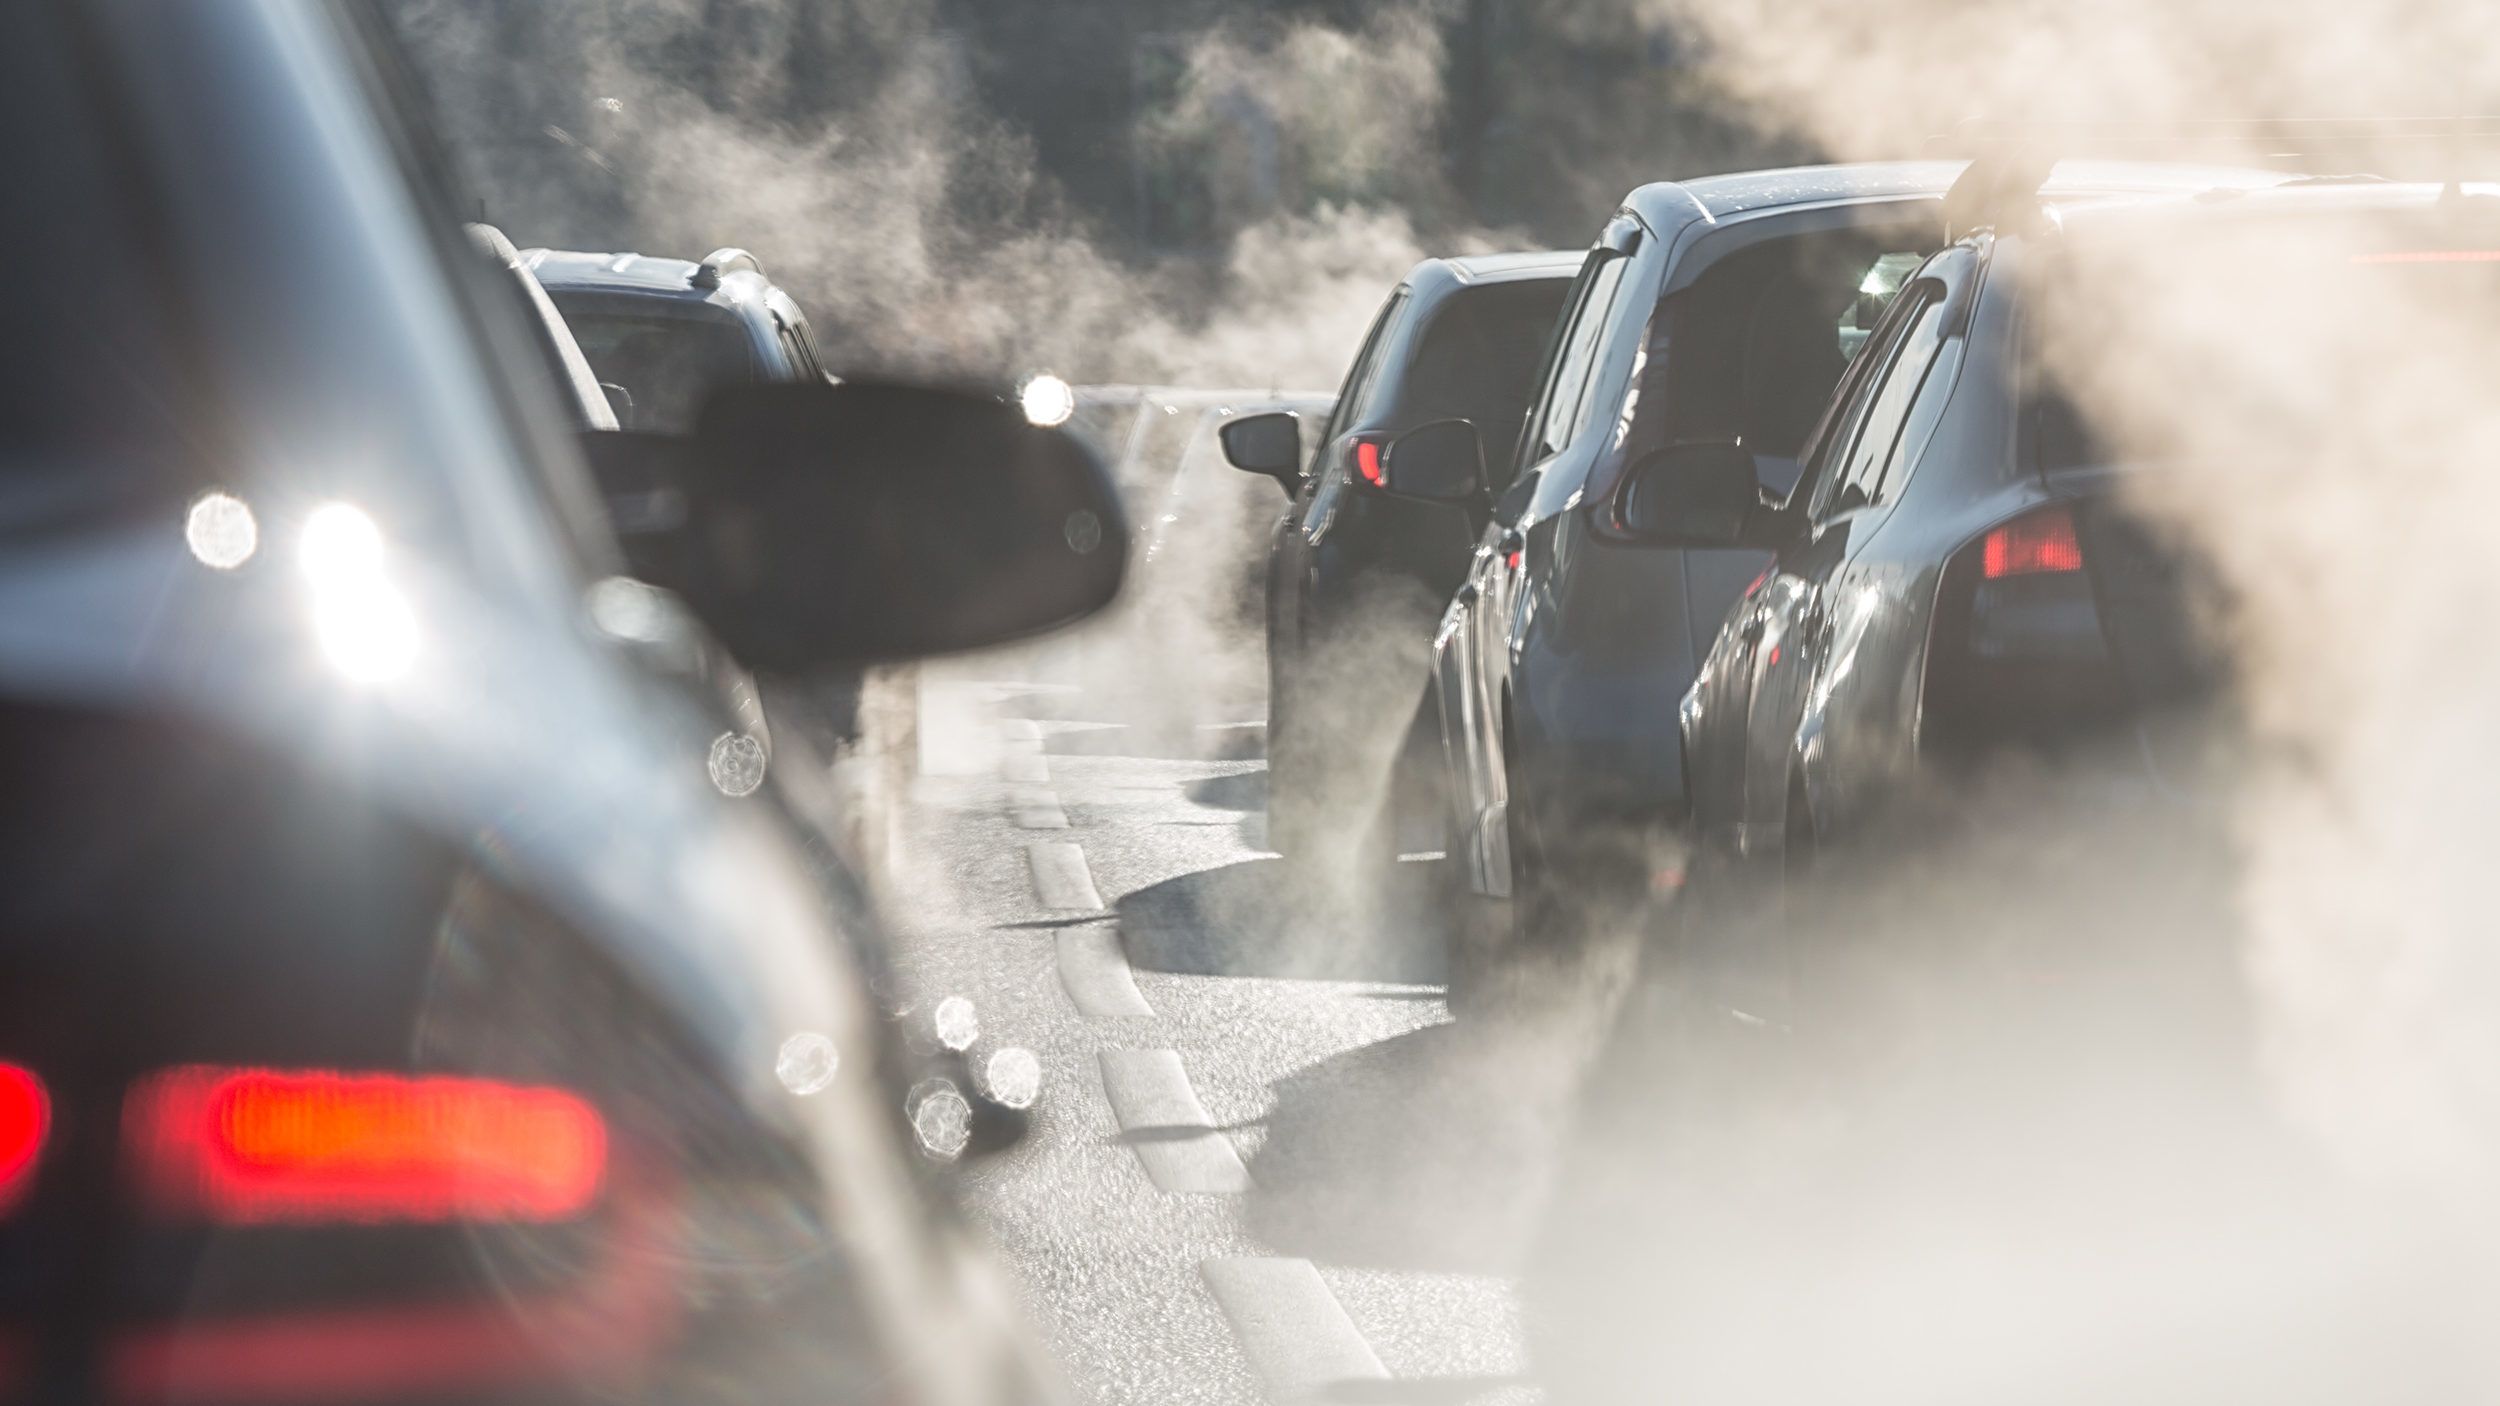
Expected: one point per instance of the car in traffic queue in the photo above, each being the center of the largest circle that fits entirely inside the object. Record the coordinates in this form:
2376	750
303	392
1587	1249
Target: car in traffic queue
1357	577
591	405
1722	309
1966	585
667	331
660	334
406	994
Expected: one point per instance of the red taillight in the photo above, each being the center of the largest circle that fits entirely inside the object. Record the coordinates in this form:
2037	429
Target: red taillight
257	1145
25	1119
2035	545
1367	462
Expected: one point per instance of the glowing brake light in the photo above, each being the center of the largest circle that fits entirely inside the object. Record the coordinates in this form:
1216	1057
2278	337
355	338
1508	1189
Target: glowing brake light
25	1120
259	1145
1367	462
2034	545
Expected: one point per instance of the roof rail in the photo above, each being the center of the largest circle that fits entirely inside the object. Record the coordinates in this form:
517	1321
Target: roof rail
721	263
2010	161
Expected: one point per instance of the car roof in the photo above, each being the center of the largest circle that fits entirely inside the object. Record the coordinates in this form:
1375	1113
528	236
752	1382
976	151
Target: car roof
1512	267
645	275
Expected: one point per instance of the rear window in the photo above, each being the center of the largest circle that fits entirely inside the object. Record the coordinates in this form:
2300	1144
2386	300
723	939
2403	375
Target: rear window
1478	357
667	364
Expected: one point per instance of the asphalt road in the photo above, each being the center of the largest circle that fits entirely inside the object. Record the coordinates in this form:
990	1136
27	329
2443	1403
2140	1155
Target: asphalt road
1267	1165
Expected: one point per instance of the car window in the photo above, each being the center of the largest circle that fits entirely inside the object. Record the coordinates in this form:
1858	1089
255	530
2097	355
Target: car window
1364	373
1827	448
1754	347
1564	409
667	364
1477	358
1890	384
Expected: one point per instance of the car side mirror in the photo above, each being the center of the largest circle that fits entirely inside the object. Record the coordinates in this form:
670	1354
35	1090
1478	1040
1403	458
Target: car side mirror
821	525
1700	495
1269	445
1442	462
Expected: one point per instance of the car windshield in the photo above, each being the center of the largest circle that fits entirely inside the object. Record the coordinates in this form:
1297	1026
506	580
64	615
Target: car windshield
666	363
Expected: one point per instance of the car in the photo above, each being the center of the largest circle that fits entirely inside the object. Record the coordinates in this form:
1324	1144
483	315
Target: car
1964	588
1356	576
660	333
590	403
1719	309
665	331
410	991
592	406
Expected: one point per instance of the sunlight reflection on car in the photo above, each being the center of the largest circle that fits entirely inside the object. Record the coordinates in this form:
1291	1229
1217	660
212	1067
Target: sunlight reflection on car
363	622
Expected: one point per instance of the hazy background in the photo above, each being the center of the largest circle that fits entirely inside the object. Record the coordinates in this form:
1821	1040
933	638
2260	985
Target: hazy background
1115	188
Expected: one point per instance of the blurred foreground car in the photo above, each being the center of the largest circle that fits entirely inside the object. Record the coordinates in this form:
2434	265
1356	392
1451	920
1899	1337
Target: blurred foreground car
410	991
1356	577
1716	310
1965	577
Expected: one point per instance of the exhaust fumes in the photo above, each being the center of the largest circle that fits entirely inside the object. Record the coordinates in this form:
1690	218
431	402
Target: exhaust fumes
2079	1104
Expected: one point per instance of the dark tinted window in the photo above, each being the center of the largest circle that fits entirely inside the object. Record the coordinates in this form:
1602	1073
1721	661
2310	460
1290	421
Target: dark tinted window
668	364
1756	345
1477	360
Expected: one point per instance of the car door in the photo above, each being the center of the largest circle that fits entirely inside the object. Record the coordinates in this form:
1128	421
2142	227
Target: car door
1794	628
1476	633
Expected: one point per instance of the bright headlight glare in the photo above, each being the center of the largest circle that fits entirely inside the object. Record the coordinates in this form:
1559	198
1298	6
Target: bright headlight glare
1047	400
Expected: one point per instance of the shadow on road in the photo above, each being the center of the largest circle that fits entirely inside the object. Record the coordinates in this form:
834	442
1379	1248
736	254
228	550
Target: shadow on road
1242	791
1434	1149
1273	918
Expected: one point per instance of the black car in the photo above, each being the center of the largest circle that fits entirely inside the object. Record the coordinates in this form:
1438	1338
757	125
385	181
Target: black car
666	331
1356	576
1966	585
409	990
1715	310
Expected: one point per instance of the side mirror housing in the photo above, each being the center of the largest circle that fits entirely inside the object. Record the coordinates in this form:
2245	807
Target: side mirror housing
1698	495
1269	445
1442	462
826	525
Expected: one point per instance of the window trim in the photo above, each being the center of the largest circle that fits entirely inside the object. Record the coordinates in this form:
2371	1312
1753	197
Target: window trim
1923	298
1532	449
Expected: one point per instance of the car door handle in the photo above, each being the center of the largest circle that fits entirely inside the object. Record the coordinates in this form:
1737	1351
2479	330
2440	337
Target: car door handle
1466	593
